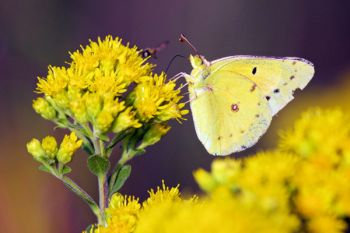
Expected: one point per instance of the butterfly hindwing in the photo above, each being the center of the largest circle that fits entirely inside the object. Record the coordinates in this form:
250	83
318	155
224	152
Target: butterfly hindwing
230	112
277	78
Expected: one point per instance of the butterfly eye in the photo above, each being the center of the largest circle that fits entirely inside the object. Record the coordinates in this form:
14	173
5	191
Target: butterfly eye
254	71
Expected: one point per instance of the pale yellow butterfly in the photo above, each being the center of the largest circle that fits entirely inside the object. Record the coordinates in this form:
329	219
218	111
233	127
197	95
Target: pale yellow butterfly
234	98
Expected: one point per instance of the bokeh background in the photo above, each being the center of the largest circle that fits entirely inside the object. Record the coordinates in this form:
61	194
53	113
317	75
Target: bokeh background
36	33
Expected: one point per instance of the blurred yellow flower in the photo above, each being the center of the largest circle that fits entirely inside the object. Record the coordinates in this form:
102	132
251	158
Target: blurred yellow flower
303	186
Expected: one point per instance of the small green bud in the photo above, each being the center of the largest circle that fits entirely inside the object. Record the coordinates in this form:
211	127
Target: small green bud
67	148
49	145
42	107
154	134
35	149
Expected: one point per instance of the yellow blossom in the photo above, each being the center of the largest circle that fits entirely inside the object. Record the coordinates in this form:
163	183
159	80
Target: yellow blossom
326	224
125	120
154	134
107	87
155	98
122	215
43	107
49	145
67	148
35	149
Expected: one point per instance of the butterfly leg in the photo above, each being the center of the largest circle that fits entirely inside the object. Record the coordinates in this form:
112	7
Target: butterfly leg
178	76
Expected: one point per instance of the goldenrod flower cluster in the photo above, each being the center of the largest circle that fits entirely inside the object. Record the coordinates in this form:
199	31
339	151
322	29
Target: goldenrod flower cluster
110	87
302	186
48	153
107	94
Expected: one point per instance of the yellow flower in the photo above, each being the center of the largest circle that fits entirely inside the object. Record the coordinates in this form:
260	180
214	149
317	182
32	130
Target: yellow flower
125	120
55	82
88	89
67	148
155	98
42	107
122	215
317	130
154	134
326	224
35	149
107	88
162	194
49	145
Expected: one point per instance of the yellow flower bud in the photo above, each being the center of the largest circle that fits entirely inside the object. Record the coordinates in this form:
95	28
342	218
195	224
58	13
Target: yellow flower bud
154	134
104	121
171	111
42	107
68	146
35	149
125	120
93	105
79	110
146	101
49	145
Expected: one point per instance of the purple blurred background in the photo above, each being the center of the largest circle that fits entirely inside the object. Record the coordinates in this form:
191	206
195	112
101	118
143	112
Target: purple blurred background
36	33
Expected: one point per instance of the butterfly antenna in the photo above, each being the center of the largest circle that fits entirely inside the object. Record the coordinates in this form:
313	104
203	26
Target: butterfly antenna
183	39
171	61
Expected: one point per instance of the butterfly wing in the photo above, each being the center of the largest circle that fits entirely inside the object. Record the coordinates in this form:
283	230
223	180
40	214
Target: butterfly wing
229	115
277	78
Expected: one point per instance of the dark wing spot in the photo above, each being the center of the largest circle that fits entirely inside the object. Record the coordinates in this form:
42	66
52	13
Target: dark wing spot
234	107
276	91
292	77
253	88
254	71
285	84
231	135
219	138
242	131
268	97
294	62
257	115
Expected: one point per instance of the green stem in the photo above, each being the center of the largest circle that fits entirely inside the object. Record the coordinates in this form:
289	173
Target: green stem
102	182
83	195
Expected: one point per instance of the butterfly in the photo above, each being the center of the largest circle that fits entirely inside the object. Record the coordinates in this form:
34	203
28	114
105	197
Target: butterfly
233	99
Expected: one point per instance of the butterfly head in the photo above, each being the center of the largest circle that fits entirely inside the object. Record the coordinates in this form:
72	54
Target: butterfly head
200	67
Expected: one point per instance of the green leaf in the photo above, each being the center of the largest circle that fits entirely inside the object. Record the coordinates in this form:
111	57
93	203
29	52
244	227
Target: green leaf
88	148
44	169
66	169
122	175
98	165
